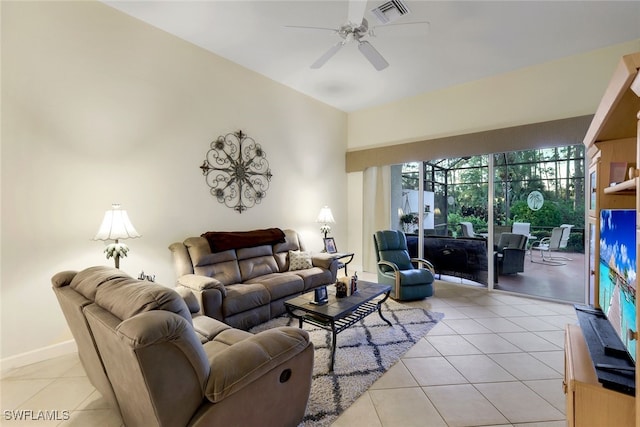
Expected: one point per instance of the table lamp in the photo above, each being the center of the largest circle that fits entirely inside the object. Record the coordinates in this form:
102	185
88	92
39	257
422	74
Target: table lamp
325	217
116	226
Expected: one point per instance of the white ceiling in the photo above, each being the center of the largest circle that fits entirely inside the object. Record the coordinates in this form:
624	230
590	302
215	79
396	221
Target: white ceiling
465	40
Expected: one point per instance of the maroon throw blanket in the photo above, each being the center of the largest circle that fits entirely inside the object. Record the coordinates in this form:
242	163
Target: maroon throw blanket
224	240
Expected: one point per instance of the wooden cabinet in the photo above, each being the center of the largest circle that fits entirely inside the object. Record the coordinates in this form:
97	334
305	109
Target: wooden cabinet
613	137
588	403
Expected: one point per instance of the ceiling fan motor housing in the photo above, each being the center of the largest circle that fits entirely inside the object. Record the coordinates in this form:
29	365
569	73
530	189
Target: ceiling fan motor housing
351	30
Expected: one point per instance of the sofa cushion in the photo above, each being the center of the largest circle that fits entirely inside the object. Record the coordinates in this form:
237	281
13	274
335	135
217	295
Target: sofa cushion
230	337
281	250
127	298
244	296
252	358
254	262
417	277
208	328
299	260
280	285
314	277
222	266
87	281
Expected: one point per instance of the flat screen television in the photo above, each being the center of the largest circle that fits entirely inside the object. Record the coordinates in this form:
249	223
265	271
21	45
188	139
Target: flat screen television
617	272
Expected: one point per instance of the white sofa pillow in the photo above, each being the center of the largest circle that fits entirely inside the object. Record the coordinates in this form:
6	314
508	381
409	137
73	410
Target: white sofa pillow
299	260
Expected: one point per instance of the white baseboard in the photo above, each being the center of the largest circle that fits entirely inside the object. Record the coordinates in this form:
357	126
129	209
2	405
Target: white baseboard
37	355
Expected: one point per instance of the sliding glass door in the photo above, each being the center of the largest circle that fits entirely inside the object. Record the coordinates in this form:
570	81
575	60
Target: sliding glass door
540	194
537	197
430	200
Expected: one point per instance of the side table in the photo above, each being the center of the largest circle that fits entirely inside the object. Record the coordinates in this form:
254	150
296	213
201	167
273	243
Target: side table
343	260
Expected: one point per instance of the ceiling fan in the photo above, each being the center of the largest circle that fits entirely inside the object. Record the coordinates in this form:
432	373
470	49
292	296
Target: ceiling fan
357	28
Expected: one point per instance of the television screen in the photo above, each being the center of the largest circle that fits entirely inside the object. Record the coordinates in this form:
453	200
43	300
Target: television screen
617	269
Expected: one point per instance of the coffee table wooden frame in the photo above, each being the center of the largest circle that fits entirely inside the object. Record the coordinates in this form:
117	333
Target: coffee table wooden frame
339	313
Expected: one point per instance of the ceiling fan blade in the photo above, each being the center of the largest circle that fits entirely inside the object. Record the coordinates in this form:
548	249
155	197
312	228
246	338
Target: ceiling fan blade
420	28
356	11
378	62
327	55
304	28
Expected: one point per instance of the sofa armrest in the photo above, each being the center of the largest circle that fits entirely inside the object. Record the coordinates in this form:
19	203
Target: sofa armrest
157	328
323	260
63	278
181	258
244	362
199	283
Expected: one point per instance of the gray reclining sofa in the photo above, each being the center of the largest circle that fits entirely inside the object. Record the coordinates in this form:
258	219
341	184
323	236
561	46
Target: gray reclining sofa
158	366
243	278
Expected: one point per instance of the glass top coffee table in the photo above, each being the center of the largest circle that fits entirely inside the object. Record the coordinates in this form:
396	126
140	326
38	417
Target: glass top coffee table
339	313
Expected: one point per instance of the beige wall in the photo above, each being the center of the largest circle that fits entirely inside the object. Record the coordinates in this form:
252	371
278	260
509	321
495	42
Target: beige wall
98	108
560	89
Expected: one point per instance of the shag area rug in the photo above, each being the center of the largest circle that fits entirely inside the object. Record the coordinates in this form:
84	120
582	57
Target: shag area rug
366	350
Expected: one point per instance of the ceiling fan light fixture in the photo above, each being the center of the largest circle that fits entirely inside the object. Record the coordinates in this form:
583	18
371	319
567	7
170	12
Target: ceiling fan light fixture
357	28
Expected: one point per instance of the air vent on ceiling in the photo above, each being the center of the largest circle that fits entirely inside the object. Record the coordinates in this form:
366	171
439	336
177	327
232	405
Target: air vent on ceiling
390	11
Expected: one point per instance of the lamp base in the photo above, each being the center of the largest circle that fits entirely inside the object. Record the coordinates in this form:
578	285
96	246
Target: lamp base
325	229
116	250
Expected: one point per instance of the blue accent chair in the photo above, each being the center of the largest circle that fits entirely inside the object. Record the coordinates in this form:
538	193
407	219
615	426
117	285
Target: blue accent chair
395	267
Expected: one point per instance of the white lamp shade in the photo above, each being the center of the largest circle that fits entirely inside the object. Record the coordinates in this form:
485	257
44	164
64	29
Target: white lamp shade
116	225
325	216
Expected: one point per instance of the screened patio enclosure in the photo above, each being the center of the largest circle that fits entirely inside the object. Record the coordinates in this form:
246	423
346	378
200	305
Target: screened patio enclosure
537	189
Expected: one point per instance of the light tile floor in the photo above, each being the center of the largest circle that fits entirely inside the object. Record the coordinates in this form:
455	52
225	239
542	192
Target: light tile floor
494	360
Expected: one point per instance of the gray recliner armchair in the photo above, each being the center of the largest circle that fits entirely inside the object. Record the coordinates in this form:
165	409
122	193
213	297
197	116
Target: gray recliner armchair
142	349
395	267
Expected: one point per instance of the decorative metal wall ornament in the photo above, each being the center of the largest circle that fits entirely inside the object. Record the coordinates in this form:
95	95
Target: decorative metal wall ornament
237	171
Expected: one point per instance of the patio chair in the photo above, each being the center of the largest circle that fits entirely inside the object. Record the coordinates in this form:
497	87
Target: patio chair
521	228
564	240
510	253
558	240
467	230
395	267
